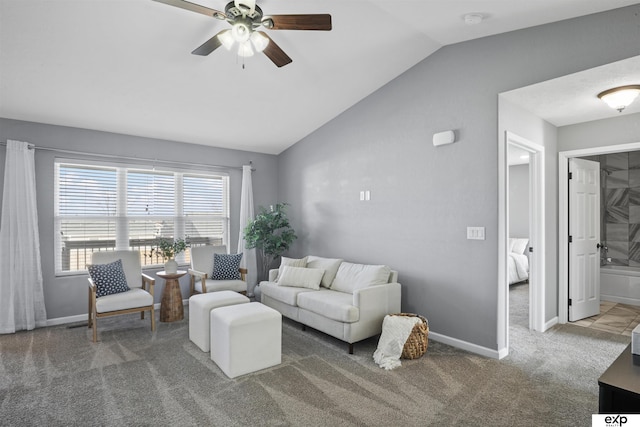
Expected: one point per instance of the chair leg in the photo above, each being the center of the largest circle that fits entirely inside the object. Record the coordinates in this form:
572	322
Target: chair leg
153	319
142	315
89	310
95	330
350	348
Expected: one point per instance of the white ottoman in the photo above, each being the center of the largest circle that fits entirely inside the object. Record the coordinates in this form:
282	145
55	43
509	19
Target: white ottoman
245	338
200	307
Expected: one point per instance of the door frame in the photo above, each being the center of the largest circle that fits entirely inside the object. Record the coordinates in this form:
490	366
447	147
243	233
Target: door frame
536	237
563	216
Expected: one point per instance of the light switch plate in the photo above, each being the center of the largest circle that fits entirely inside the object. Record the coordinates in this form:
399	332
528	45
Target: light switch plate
475	233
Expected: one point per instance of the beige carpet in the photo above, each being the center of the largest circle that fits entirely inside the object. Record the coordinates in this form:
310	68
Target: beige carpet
57	377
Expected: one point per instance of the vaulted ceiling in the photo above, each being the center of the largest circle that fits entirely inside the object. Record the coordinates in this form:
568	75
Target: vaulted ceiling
125	66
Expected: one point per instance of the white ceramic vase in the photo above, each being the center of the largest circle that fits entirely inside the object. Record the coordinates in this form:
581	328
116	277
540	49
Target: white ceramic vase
171	266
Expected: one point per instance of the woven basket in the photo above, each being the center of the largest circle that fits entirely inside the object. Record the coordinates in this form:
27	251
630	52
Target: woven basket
416	344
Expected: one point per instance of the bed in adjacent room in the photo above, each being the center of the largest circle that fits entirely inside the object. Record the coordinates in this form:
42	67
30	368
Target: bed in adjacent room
517	261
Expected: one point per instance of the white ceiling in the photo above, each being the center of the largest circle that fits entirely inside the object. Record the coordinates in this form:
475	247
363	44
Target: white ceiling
125	65
574	98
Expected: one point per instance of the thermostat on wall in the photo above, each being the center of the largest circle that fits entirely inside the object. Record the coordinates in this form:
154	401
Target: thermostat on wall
443	138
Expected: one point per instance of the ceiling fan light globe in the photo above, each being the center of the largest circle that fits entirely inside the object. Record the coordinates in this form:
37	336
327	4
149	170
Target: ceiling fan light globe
226	39
240	32
259	41
245	50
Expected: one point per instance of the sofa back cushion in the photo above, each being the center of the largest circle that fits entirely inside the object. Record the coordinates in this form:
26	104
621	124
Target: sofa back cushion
300	277
357	276
329	265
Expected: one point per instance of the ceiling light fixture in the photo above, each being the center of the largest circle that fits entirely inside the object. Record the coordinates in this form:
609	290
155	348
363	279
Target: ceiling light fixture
621	97
245	37
242	32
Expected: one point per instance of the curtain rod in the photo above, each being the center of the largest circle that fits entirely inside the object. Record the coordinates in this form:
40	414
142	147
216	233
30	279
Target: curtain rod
112	156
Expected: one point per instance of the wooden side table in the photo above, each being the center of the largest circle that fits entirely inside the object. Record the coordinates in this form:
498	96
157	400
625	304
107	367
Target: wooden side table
171	308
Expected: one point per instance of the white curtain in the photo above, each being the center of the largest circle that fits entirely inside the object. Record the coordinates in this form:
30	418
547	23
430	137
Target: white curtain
21	296
247	215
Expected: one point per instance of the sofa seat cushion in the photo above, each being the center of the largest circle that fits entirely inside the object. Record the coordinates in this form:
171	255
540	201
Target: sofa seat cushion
221	285
331	304
284	294
133	298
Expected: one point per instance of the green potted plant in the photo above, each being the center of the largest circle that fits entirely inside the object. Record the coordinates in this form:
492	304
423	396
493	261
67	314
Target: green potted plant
271	234
167	249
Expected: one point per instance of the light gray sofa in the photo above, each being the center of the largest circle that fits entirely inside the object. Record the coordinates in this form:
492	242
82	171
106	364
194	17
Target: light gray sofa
345	300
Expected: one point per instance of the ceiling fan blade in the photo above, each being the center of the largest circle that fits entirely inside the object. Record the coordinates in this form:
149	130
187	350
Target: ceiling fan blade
209	46
194	8
274	53
320	22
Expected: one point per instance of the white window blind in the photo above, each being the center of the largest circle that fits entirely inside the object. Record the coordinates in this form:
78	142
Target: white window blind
101	208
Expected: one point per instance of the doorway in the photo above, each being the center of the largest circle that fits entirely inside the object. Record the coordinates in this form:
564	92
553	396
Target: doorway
563	214
536	245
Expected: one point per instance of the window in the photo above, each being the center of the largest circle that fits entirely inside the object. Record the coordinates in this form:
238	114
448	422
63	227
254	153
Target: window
102	208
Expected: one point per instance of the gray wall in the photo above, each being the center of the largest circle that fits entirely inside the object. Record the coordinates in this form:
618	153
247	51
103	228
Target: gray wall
600	133
519	201
422	197
67	295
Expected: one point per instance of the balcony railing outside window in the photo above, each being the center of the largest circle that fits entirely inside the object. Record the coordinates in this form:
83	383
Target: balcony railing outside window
77	254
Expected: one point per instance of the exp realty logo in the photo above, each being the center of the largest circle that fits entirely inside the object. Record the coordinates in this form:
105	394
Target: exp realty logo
613	420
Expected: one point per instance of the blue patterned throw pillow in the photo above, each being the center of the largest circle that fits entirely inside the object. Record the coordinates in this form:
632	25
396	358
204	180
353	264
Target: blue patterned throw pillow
108	278
225	267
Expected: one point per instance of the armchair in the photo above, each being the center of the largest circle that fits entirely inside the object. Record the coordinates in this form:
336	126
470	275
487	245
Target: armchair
202	269
139	297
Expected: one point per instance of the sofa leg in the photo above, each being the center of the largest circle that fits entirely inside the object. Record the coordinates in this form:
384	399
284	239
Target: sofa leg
304	327
350	348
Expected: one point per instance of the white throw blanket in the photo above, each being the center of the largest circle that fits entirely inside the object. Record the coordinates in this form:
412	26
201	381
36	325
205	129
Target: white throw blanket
395	331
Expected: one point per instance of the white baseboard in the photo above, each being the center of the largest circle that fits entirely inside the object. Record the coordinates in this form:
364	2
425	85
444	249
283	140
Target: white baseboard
621	300
68	319
464	345
550	324
454	342
83	317
503	352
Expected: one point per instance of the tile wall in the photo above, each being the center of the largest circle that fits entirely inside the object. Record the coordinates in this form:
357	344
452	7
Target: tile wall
620	181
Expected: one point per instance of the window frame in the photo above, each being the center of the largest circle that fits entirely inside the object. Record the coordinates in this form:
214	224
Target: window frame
121	219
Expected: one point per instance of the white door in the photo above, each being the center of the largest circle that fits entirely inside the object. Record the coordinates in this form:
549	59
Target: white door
584	241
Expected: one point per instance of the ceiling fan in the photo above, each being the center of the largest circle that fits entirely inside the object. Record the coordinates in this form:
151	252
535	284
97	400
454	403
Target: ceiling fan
245	17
